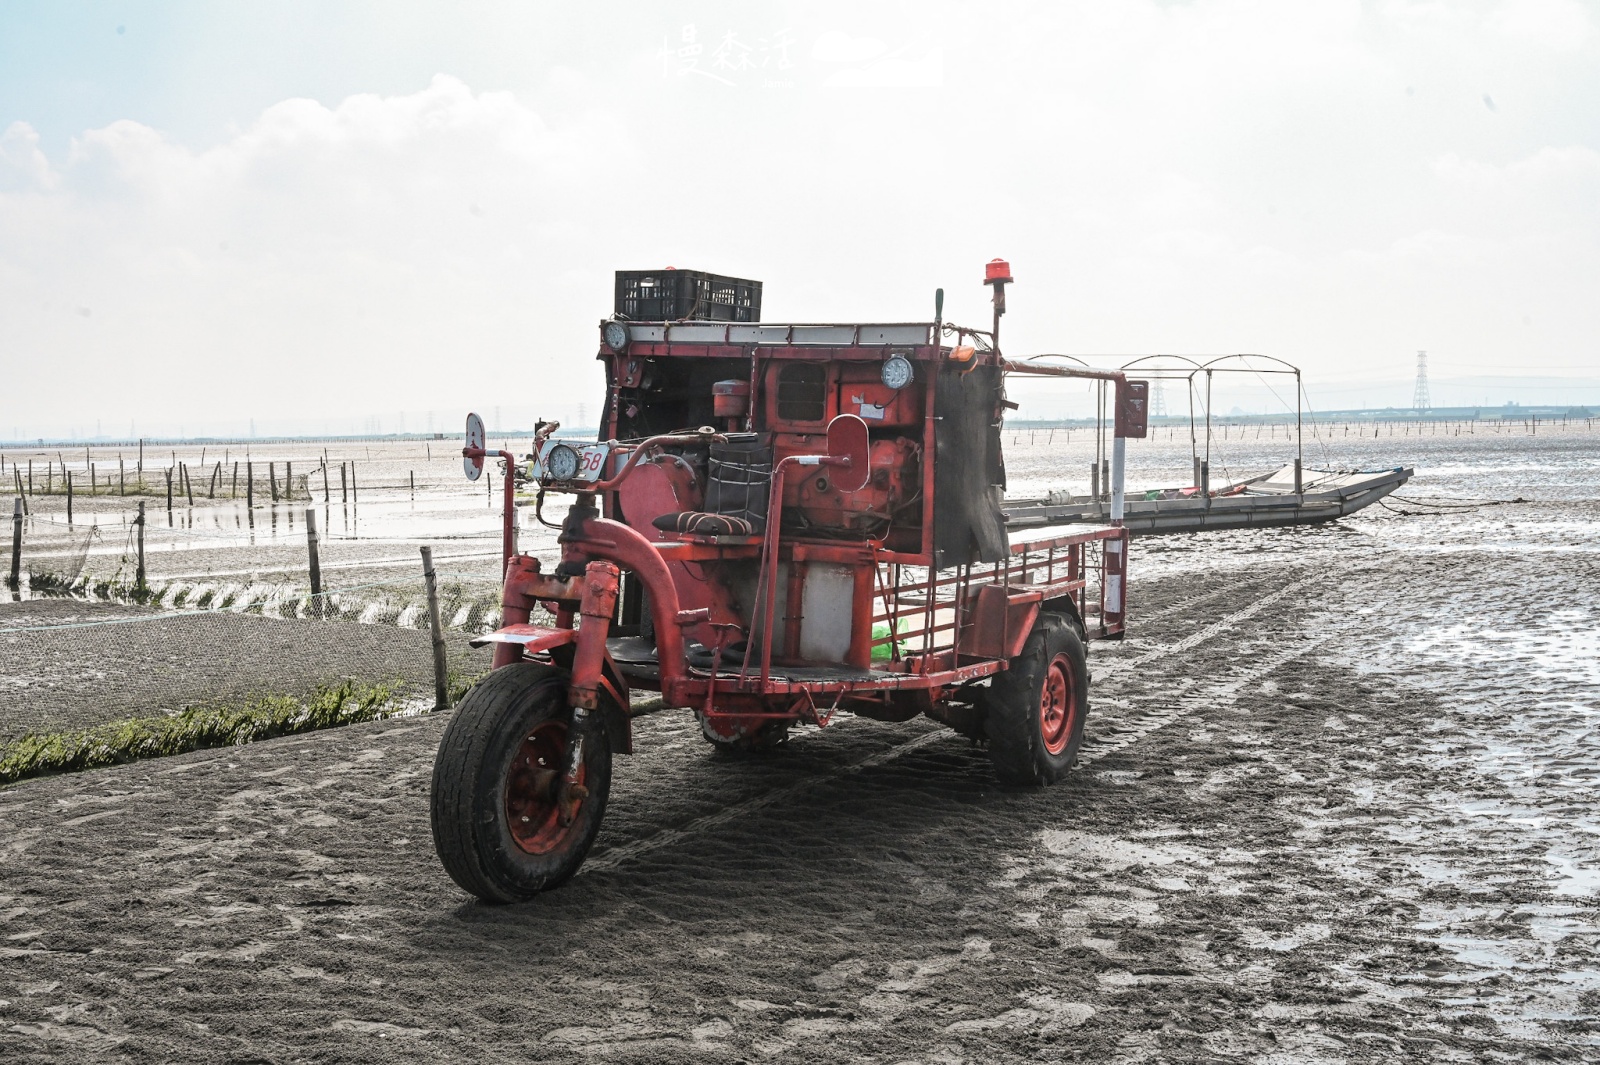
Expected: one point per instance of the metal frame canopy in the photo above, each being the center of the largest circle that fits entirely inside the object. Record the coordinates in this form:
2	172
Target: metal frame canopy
1175	367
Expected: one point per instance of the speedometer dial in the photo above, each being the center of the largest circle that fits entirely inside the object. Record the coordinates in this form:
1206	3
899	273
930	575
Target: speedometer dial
561	463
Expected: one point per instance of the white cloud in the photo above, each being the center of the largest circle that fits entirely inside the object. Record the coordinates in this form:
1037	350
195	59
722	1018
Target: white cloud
1317	181
320	259
1560	25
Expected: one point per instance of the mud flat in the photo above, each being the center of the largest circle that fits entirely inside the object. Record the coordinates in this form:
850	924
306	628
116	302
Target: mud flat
105	662
1337	804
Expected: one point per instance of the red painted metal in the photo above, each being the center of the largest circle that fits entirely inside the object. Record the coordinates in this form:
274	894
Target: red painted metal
853	476
597	607
508	514
530	795
531	638
1058	704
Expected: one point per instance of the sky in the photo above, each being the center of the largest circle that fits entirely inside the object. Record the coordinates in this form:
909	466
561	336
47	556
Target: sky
334	217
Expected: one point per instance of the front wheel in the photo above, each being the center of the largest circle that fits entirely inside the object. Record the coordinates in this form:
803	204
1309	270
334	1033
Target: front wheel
508	822
1037	706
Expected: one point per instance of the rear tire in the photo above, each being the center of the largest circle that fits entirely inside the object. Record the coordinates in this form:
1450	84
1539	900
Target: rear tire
496	824
1037	706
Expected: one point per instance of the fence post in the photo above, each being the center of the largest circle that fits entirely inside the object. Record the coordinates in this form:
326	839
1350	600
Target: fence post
316	562
138	579
122	477
169	495
288	481
441	674
69	495
344	485
413	486
249	484
272	480
188	485
16	543
324	481
354	494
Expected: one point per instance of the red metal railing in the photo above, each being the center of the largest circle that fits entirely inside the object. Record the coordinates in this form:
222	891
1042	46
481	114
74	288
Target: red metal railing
924	614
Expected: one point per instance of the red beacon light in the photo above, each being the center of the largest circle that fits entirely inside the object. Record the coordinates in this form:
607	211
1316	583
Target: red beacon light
997	275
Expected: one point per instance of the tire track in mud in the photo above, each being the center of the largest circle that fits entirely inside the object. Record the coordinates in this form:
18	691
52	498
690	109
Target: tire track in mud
1220	695
1134	731
616	856
1216	628
1191	603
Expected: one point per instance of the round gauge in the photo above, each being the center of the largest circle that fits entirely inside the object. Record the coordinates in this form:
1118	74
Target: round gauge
615	335
897	371
561	463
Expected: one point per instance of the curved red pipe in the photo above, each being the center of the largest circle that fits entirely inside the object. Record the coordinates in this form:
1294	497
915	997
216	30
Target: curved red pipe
615	542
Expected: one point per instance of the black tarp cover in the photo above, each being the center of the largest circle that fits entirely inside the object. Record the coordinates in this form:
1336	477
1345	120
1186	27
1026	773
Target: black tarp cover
969	474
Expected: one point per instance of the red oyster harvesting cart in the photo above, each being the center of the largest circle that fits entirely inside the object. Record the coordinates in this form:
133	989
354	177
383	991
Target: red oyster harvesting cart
780	522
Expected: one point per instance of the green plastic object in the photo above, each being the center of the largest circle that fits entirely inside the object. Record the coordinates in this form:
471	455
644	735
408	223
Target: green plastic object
882	652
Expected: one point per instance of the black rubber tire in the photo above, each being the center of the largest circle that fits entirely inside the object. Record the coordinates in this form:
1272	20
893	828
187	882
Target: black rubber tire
471	824
1017	743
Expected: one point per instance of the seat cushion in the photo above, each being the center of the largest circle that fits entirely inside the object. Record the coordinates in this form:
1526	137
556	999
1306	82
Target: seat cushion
701	524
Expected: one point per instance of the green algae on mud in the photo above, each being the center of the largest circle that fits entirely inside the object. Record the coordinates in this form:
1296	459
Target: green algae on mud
195	728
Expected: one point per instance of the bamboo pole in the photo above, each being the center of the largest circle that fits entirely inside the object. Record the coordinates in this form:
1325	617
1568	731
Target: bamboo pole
441	674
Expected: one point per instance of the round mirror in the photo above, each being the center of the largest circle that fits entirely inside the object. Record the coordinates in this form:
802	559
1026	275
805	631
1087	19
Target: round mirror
473	465
848	439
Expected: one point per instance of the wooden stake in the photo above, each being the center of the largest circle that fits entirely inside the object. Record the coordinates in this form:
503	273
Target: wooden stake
316	562
138	580
16	543
441	671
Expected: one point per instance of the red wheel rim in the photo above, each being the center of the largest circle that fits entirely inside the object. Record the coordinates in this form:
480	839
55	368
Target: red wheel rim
532	782
1058	705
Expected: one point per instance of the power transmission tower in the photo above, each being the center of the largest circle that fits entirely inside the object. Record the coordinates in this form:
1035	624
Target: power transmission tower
1419	397
1158	402
583	417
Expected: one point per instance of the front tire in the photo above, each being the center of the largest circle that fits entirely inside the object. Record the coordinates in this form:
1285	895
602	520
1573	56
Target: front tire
1037	706
498	825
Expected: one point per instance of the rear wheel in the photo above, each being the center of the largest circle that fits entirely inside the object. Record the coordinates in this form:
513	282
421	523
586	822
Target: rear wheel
507	823
1036	707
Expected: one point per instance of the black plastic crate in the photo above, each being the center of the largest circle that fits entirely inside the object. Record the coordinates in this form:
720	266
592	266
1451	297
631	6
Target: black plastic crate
669	295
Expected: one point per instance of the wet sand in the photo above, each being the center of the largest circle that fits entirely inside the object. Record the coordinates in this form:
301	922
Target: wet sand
1337	804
